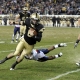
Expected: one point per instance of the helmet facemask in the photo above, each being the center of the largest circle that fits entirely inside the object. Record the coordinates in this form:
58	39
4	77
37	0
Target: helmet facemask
25	9
35	18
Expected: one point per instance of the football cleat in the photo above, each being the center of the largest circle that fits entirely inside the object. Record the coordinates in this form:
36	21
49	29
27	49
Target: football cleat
78	64
11	68
60	54
75	45
63	44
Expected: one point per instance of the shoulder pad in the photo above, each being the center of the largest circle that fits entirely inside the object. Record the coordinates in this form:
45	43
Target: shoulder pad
41	30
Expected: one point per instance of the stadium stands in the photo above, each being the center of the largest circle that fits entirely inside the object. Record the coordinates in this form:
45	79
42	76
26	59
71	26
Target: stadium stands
58	7
43	7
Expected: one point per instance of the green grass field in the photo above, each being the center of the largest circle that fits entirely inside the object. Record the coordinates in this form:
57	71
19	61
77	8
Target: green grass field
63	68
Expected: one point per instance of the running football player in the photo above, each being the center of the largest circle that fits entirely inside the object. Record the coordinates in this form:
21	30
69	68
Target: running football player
27	42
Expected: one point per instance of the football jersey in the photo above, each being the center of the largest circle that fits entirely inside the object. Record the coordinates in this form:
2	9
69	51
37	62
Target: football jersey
38	27
17	25
36	54
23	17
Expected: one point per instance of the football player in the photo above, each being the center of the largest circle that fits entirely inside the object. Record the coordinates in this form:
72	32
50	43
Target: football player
22	16
16	32
40	54
27	42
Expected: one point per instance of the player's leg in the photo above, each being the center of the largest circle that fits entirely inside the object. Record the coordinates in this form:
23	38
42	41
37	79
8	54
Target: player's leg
45	51
17	37
6	58
24	29
54	47
55	56
18	60
27	50
21	30
19	49
77	41
13	36
18	34
45	58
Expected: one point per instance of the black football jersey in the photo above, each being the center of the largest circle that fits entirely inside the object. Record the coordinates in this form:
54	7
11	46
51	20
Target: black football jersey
23	16
39	29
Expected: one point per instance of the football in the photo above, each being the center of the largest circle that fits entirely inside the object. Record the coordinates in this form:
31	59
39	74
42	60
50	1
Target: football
32	32
35	33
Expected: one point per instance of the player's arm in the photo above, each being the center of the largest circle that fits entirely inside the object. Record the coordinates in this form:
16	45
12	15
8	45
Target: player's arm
39	35
17	17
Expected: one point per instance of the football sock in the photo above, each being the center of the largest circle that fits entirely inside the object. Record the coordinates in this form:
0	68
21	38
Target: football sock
57	45
2	61
77	41
56	56
14	64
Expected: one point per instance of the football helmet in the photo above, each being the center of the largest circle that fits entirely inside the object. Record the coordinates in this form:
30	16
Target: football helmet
35	16
25	8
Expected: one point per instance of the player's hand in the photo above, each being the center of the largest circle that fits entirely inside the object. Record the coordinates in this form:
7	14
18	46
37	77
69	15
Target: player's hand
32	32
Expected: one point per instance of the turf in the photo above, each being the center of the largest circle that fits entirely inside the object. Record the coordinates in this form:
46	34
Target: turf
62	68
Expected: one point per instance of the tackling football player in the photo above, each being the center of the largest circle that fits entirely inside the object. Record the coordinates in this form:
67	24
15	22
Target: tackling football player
40	54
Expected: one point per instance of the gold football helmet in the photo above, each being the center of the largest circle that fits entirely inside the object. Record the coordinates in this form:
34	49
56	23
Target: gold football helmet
35	16
25	8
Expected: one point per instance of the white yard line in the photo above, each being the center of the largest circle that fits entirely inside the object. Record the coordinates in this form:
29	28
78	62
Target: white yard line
2	41
64	74
35	47
6	51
